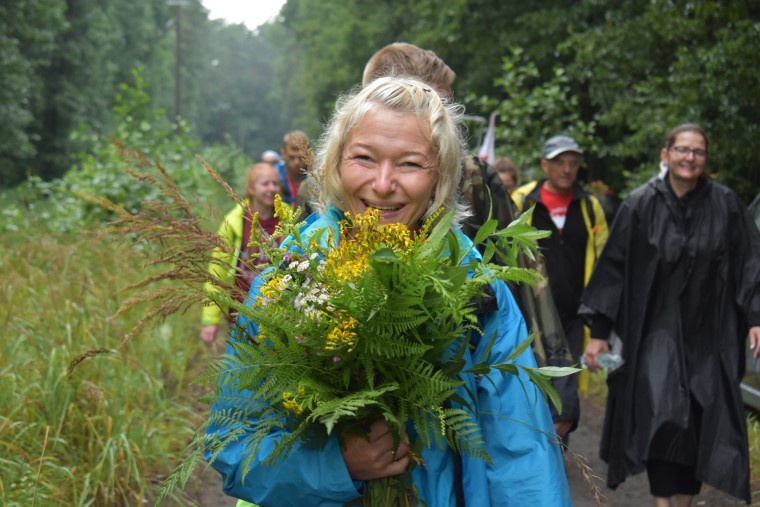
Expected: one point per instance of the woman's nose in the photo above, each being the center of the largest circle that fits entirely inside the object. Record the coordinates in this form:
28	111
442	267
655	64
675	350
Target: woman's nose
385	179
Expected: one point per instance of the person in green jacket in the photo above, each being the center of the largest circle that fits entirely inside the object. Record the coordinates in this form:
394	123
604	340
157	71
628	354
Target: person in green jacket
230	265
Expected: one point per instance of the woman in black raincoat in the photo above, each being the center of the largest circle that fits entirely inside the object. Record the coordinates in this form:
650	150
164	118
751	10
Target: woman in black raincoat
679	282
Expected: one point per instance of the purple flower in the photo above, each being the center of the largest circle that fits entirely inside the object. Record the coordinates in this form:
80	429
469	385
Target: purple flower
286	258
299	339
336	359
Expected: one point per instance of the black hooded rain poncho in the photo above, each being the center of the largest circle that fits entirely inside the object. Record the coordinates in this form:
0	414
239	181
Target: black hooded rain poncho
680	280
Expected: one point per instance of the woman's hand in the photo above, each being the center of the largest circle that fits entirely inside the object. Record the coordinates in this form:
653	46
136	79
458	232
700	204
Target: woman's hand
375	458
593	349
754	340
208	333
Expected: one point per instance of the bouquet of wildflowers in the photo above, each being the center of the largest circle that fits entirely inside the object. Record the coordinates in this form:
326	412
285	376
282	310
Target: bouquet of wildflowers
373	326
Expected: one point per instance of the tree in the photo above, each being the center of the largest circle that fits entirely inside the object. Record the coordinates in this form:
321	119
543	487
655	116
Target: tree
28	32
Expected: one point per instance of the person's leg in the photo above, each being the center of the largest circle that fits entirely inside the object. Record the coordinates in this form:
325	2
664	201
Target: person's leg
660	501
684	500
662	482
672	483
687	484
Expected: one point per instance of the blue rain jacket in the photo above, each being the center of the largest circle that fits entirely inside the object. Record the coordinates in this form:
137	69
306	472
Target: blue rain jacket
514	417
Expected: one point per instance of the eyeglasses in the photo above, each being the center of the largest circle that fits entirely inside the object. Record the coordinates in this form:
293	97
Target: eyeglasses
683	151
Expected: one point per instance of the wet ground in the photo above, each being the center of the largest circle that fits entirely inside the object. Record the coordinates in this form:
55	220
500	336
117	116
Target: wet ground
634	492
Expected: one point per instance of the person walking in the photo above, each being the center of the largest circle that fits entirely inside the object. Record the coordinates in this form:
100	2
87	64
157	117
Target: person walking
679	282
235	262
578	232
292	167
395	147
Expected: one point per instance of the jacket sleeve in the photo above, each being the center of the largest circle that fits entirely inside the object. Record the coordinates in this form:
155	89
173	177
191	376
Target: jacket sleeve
604	291
306	477
519	195
527	467
221	267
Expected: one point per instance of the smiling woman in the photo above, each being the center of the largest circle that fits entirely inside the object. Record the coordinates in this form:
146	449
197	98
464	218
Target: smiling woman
389	165
397	149
679	281
235	259
253	13
391	154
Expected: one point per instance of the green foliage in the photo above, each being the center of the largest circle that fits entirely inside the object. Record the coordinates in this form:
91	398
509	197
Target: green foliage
618	76
630	73
101	434
753	430
552	105
350	334
141	134
62	62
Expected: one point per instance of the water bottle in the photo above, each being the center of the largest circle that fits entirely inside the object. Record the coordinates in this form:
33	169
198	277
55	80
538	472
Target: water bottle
607	360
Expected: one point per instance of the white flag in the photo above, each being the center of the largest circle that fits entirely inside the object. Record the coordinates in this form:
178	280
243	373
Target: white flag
487	149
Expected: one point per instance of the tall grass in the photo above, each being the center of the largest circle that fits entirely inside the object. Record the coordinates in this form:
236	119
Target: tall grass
107	433
753	429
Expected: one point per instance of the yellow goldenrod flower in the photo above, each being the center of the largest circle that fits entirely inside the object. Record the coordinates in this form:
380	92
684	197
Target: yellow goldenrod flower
289	402
342	335
272	287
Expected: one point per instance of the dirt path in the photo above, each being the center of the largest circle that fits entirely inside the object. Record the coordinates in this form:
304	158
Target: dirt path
634	492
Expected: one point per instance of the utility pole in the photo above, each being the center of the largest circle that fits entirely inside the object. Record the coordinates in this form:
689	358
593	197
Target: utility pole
177	4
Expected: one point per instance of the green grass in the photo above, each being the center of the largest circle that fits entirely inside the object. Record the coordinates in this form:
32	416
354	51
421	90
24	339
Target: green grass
112	430
108	433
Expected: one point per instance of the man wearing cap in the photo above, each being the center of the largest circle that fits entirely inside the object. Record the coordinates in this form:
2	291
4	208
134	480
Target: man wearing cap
578	226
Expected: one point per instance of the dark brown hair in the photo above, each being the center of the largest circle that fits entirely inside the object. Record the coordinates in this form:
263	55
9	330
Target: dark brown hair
670	139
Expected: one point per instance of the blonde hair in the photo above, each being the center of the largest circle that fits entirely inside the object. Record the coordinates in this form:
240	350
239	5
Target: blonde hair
406	96
253	174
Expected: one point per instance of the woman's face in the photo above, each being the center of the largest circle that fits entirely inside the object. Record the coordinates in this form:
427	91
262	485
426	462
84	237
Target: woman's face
389	164
686	167
508	179
262	187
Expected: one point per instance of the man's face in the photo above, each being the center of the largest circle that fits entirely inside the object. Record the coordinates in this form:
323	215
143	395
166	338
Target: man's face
292	156
561	172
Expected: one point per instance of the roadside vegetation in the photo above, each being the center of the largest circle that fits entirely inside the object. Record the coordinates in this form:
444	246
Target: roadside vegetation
106	432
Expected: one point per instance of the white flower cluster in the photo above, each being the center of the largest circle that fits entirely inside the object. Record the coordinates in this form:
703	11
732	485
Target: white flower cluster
312	297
